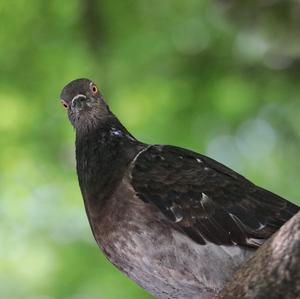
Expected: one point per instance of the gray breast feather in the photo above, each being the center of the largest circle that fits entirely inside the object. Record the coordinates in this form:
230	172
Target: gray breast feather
143	244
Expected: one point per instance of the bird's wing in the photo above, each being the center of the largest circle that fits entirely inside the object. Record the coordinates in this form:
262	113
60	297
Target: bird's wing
206	200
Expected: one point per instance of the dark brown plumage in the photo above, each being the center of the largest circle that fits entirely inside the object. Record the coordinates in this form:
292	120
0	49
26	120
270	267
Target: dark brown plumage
176	222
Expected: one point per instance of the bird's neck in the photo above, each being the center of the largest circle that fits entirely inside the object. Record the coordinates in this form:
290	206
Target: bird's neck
102	156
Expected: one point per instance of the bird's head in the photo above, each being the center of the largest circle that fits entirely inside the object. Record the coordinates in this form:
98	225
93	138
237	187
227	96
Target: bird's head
84	104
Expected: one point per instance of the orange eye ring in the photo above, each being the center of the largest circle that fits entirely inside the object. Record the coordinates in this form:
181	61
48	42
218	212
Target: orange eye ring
94	89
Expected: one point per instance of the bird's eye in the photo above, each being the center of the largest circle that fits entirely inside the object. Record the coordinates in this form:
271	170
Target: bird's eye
64	103
94	89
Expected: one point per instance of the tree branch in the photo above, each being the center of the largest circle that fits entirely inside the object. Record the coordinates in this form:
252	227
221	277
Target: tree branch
274	271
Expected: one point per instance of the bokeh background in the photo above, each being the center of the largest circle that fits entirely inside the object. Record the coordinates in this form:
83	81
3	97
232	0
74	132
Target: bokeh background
219	77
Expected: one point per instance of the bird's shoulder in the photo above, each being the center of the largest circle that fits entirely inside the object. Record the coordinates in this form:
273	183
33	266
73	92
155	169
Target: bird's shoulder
205	199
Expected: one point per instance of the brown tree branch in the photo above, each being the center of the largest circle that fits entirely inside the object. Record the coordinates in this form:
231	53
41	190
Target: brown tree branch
274	271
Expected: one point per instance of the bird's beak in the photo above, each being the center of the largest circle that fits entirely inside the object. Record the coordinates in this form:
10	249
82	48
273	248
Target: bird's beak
79	102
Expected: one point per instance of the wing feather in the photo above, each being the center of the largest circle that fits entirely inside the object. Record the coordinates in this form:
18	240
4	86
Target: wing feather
205	199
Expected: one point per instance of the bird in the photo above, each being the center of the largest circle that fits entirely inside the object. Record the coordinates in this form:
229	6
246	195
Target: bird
176	222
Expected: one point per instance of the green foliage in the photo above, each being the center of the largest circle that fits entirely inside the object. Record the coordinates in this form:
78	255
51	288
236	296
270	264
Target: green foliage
210	76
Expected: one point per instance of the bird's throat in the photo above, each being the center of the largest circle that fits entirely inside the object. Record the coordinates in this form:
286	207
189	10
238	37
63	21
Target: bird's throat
102	157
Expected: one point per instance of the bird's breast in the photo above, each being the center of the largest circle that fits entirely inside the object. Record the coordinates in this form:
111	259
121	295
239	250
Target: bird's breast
141	242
